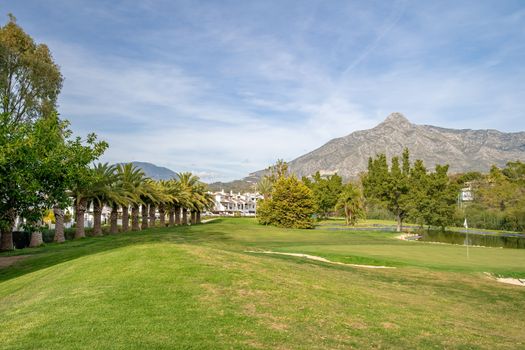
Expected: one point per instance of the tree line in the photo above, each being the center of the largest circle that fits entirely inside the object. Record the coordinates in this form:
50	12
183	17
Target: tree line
408	191
498	197
298	203
399	190
43	166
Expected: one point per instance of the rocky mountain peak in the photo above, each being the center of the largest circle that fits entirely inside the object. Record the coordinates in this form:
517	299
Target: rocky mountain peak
396	119
463	150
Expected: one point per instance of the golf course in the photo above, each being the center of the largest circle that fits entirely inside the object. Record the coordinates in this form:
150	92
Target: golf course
229	284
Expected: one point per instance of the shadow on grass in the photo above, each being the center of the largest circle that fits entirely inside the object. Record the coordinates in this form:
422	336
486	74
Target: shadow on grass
54	253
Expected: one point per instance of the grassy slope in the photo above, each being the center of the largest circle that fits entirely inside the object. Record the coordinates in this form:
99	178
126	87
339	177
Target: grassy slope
198	288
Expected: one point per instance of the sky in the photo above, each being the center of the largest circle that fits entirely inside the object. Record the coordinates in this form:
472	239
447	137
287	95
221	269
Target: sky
225	88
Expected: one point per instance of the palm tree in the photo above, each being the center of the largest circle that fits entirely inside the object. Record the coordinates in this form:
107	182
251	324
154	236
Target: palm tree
351	201
103	191
131	180
150	195
81	192
264	187
171	194
202	200
59	224
160	197
177	197
182	194
121	197
188	182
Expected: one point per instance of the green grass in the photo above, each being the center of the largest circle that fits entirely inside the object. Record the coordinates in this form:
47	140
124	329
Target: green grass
198	288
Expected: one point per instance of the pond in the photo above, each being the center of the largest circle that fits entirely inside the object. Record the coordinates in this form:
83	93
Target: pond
475	238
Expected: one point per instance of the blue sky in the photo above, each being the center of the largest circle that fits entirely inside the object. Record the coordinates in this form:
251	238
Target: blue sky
224	88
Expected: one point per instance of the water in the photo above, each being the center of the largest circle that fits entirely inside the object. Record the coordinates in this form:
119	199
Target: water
516	241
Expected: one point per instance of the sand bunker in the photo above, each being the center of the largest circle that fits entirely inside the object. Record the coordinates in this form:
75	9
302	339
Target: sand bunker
507	280
514	281
318	258
408	237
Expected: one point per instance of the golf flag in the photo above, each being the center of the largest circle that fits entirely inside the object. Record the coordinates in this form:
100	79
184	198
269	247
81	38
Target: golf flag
465	223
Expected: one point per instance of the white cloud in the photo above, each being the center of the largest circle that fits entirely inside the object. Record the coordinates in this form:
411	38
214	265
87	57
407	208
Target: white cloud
225	96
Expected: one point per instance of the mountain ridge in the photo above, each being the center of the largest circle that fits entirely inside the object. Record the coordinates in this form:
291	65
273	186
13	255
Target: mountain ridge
463	149
154	171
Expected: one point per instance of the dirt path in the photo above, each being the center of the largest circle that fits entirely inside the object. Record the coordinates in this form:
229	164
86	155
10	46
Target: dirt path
318	258
6	261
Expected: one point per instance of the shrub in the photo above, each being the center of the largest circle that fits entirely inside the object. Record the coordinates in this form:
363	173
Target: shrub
291	205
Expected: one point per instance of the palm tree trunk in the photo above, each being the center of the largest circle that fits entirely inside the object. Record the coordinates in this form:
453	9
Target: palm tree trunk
184	216
97	219
162	213
125	218
144	212
7	232
59	225
80	210
177	215
152	215
113	219
135	218
7	238
199	217
171	216
36	237
193	217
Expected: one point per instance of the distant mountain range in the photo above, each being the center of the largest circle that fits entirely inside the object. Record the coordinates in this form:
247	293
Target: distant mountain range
464	150
155	172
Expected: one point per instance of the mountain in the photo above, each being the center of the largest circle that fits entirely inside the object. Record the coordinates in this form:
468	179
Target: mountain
155	172
235	186
464	150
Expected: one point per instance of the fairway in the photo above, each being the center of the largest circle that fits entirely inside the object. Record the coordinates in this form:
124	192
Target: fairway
198	287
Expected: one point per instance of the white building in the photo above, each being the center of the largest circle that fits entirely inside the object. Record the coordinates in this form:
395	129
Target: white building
244	204
466	193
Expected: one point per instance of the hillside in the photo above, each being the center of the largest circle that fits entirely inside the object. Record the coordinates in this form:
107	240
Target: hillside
154	171
464	150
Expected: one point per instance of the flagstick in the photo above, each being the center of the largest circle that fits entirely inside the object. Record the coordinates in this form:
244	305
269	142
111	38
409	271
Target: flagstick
465	224
467	245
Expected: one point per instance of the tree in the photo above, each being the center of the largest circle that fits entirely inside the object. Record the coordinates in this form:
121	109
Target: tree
29	85
515	172
326	191
188	182
350	200
419	199
158	199
499	199
264	187
441	196
201	200
131	179
389	187
39	158
277	171
291	205
30	80
149	197
39	163
19	188
179	196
